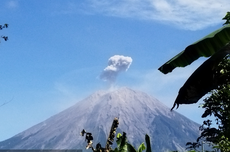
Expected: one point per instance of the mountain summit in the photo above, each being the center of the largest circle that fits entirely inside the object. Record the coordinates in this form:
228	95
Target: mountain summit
138	113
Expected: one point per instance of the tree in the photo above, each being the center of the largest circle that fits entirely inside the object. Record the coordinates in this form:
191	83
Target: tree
2	27
217	104
223	144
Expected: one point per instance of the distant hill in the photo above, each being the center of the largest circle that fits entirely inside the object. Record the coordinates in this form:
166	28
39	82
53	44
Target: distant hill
138	113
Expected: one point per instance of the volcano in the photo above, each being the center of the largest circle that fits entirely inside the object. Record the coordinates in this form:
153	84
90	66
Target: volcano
138	113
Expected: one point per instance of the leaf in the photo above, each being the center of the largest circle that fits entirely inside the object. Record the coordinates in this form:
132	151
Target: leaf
188	143
130	148
119	135
203	80
227	18
5	38
6	25
148	144
205	47
123	145
141	147
206	113
122	142
115	150
119	139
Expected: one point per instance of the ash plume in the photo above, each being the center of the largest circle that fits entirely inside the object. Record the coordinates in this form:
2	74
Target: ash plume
116	64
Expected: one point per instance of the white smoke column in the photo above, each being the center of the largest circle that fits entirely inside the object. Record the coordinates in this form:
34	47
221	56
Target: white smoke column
116	64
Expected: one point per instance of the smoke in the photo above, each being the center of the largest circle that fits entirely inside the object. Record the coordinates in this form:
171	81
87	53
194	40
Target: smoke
116	64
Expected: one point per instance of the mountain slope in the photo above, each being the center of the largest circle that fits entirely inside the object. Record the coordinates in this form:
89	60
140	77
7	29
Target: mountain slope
138	113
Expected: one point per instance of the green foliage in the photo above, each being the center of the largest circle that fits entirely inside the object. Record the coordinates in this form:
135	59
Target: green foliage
212	76
122	142
148	143
227	18
218	105
216	45
205	47
192	145
141	147
204	79
124	146
223	144
2	27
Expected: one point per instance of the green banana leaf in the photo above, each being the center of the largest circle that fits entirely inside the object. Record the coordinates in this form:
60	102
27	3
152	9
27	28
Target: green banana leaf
148	143
130	148
203	80
205	47
141	148
124	146
121	142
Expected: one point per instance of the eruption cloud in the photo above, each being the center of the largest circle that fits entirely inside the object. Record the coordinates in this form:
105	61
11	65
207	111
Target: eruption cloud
116	64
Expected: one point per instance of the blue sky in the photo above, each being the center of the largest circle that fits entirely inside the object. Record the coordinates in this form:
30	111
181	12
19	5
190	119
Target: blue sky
57	50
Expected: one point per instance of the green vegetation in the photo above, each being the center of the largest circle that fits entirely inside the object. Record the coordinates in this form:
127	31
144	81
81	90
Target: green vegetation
124	146
216	45
227	18
122	142
223	144
2	27
218	105
213	77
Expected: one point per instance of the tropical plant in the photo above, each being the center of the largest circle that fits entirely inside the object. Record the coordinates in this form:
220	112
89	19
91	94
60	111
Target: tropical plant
218	105
216	45
227	18
124	146
212	76
122	142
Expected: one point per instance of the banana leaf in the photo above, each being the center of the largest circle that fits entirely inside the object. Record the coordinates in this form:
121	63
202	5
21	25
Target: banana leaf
204	79
205	47
148	143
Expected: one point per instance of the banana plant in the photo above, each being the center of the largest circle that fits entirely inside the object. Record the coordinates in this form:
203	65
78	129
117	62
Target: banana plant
122	142
109	142
124	146
216	45
204	47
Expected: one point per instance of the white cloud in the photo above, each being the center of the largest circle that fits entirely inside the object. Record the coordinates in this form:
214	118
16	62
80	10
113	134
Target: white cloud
12	4
186	14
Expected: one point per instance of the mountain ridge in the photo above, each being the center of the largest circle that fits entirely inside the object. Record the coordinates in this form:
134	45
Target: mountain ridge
138	112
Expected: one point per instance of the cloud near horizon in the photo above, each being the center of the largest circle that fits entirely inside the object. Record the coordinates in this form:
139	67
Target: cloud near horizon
164	87
116	64
185	14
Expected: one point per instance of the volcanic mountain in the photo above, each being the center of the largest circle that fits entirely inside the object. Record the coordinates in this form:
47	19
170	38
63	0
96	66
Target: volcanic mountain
138	112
